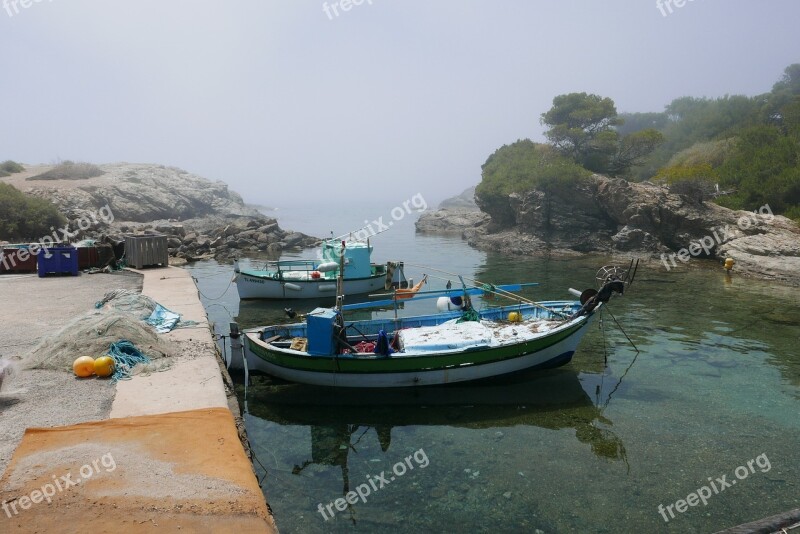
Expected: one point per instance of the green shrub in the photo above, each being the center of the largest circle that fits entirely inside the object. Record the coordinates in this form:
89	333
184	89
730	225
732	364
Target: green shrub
696	182
520	167
69	170
23	217
8	167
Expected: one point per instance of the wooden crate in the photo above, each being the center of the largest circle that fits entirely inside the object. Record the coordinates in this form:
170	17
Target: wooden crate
147	250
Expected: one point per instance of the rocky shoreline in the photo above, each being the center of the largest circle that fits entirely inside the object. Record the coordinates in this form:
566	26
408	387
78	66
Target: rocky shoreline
613	216
201	219
203	239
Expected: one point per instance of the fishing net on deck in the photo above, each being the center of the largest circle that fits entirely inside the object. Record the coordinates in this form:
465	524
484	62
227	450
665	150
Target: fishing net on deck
92	335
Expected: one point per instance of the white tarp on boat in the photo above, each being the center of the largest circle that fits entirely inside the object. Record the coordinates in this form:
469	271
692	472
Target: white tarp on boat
448	336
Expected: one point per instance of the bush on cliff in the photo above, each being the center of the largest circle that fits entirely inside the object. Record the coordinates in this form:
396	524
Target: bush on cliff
23	217
8	167
521	167
764	169
69	170
696	182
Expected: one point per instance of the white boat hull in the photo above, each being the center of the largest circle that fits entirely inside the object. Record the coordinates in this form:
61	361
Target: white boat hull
254	287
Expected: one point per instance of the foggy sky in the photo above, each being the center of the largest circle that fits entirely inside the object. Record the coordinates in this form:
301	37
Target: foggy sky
388	99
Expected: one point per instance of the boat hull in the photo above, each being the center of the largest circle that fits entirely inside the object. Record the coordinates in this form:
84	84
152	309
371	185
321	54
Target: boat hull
257	287
553	349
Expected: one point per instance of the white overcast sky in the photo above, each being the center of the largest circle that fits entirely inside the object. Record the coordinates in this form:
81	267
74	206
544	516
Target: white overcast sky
389	99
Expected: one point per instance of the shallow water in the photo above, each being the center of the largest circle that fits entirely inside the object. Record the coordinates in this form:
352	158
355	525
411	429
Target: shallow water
589	447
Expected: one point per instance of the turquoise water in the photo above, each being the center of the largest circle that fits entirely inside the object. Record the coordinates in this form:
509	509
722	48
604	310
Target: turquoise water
589	447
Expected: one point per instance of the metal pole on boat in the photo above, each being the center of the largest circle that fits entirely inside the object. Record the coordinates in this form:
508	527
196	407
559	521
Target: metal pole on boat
340	280
236	344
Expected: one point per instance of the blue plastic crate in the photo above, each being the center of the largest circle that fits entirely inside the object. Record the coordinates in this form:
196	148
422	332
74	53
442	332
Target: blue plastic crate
57	260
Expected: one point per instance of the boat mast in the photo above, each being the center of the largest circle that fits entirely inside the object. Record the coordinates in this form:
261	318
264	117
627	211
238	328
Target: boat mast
340	280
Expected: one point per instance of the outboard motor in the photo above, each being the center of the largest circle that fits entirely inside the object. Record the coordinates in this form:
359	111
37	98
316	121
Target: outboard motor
604	295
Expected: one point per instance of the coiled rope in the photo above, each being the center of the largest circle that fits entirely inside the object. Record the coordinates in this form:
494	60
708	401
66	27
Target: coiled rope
126	356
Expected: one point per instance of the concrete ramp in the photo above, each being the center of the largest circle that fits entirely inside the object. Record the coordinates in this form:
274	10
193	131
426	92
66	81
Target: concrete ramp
175	472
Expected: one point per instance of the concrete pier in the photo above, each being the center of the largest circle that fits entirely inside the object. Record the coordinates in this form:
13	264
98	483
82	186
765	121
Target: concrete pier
164	456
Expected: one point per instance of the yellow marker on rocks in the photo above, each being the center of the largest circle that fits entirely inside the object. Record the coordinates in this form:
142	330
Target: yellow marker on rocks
83	366
729	263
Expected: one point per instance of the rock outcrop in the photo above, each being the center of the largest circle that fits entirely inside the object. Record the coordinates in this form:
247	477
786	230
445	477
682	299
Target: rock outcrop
464	201
454	215
195	239
200	218
610	216
450	221
140	193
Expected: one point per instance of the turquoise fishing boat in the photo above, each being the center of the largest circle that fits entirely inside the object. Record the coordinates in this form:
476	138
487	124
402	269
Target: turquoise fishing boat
317	278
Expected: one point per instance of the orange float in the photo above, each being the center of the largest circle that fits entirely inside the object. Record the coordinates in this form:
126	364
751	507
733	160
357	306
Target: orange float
83	367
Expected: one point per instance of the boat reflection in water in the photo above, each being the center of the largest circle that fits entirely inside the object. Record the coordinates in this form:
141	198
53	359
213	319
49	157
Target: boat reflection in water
341	419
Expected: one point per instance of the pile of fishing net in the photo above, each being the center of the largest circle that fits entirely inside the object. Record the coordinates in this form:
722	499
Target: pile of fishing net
92	334
144	308
129	301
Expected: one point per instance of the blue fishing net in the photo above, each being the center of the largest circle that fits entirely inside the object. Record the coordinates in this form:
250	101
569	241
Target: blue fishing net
126	356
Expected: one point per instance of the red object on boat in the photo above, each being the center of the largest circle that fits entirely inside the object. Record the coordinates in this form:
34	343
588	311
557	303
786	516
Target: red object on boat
365	346
315	275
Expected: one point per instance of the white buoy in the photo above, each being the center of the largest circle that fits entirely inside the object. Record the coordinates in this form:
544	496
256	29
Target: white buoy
444	304
575	292
327	267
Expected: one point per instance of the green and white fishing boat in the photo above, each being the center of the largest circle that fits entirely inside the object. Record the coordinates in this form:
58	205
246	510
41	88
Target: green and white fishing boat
450	347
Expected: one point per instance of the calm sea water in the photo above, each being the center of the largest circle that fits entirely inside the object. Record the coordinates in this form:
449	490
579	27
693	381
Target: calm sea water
590	447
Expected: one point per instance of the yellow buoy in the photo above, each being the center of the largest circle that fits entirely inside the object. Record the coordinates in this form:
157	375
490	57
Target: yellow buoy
104	366
514	317
729	263
83	366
